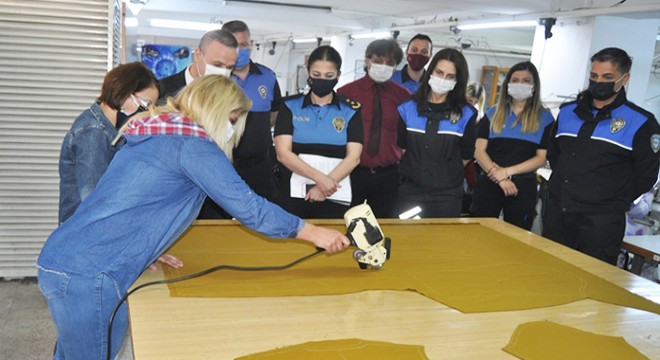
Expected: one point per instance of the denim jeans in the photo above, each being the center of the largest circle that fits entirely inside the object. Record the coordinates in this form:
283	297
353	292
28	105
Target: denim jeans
80	308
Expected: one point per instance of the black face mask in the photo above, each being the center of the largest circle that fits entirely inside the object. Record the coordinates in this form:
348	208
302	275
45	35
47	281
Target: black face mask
602	90
322	87
122	118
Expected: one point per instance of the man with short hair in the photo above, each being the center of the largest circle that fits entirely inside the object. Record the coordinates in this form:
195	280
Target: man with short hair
418	53
254	156
216	54
603	151
376	179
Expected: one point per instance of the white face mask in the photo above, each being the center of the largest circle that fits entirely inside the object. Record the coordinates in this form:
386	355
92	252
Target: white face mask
380	72
441	86
214	70
521	91
229	132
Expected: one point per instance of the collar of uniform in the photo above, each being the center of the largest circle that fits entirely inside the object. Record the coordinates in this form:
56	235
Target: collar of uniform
585	107
405	77
438	111
254	69
308	100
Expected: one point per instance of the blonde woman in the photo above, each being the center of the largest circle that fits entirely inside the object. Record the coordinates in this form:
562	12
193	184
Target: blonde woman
173	158
511	145
476	96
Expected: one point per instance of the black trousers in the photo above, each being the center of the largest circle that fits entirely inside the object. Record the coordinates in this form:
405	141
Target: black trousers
257	173
378	187
488	200
434	203
597	235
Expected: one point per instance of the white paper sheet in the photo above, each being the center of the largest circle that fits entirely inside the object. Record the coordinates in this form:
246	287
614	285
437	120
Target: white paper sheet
325	165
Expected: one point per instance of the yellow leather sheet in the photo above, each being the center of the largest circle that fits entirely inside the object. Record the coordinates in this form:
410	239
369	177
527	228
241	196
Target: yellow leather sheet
348	349
567	343
468	267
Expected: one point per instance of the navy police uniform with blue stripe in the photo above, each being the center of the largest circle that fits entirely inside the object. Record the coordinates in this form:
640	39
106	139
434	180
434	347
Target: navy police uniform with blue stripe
316	130
402	78
510	147
254	155
602	160
436	143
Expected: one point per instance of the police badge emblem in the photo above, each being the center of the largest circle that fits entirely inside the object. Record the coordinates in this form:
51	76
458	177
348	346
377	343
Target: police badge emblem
339	123
616	125
263	91
655	143
454	118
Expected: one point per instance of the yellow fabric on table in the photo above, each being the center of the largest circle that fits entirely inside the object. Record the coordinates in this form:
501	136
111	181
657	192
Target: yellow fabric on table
566	343
468	267
348	349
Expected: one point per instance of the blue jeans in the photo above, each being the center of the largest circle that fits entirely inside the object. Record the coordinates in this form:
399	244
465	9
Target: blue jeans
80	308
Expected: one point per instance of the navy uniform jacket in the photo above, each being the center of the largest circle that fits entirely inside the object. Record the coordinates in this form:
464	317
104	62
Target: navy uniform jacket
602	160
436	144
262	88
512	146
401	77
319	130
171	85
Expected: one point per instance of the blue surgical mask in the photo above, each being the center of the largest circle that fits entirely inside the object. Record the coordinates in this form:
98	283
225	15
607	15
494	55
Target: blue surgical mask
243	58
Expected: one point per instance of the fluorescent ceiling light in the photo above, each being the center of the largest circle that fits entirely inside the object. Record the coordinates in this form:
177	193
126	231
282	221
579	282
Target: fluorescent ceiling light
183	25
305	40
131	22
274	4
498	25
374	35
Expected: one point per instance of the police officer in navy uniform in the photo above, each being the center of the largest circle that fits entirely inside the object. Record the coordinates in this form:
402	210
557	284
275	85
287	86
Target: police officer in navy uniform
511	145
437	130
324	125
252	157
418	53
604	154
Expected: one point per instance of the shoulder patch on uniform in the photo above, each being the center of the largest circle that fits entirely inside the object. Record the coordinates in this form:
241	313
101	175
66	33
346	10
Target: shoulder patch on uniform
352	103
655	143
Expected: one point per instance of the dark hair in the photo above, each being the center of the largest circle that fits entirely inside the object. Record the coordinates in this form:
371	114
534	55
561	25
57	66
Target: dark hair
327	53
421	37
616	56
124	80
235	26
222	36
456	98
388	48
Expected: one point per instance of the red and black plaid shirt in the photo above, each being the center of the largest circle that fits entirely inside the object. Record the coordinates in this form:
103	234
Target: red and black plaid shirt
166	124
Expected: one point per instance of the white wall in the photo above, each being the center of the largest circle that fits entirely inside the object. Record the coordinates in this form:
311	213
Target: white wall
637	38
652	99
563	59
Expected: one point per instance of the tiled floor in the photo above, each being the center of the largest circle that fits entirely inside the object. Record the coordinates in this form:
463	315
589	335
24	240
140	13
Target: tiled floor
26	330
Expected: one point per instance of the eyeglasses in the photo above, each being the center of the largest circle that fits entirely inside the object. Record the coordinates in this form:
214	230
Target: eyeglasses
138	101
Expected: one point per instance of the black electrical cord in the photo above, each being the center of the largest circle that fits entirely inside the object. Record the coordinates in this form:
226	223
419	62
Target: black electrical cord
198	274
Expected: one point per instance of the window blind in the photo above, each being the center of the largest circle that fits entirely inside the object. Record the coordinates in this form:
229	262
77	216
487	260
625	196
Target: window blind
53	57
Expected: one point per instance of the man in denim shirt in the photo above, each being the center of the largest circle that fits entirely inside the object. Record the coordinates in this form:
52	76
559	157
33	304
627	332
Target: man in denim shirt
86	150
149	195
